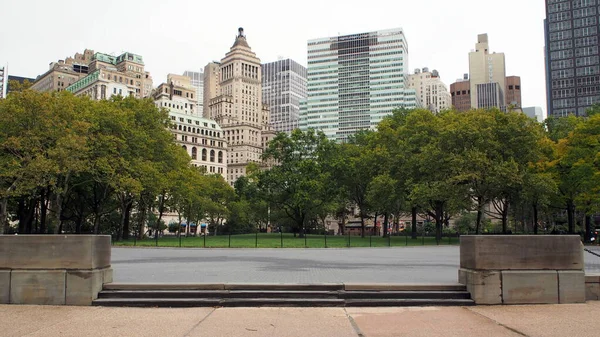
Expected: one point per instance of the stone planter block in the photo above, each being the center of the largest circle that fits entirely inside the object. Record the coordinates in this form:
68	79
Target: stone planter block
521	252
45	287
530	287
54	251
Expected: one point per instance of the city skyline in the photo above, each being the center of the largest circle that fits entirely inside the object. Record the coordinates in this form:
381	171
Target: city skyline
436	37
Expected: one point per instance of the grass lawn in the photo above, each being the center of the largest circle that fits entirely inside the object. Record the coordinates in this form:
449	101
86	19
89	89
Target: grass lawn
275	240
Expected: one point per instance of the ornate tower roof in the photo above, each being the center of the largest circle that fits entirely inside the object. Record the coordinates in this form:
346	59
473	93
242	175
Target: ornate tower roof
240	40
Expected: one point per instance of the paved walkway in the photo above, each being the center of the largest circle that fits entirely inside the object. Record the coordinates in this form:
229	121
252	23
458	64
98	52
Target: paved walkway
358	265
544	320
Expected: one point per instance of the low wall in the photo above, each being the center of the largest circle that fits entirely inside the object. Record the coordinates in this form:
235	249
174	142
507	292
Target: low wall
529	269
53	269
592	287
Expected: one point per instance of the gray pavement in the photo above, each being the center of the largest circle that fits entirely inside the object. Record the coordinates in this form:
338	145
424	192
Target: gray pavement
534	321
361	265
371	265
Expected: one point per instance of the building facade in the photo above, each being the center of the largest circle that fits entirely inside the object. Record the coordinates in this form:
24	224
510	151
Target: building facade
238	107
535	112
63	73
354	81
461	94
109	76
572	56
197	81
2	83
431	91
202	138
212	79
513	92
487	71
284	86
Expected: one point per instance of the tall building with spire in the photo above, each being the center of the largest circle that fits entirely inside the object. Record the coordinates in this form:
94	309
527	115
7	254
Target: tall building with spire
238	108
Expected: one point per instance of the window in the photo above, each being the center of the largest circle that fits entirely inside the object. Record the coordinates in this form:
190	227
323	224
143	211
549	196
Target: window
220	157
194	153
212	156
204	154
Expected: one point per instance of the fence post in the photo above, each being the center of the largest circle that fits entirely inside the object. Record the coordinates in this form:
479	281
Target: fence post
281	232
406	236
205	239
229	240
180	239
389	239
256	240
325	239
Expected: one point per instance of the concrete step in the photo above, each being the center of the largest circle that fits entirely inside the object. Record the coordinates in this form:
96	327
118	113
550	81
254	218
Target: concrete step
216	294
276	302
225	286
237	302
402	302
404	295
283	294
287	286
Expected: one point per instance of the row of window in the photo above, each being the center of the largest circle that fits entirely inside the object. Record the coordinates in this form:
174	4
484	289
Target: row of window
194	150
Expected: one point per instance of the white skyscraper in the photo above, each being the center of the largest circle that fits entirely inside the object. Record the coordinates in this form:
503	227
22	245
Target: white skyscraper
197	81
283	88
431	91
354	81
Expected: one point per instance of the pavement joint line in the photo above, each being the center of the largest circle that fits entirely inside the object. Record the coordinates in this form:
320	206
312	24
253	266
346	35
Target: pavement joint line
355	326
498	323
197	324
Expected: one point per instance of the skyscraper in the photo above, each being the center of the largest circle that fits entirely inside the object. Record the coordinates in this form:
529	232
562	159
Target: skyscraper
487	72
572	56
354	81
283	88
431	91
197	81
238	108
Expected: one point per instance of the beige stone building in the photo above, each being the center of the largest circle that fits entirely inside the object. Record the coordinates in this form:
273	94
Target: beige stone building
63	73
487	72
202	138
109	75
212	80
97	75
237	106
430	89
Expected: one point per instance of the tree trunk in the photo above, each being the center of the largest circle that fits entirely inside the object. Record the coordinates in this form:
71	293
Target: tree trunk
505	218
535	219
362	225
571	216
414	223
127	221
374	224
588	228
4	215
479	215
385	224
44	211
439	217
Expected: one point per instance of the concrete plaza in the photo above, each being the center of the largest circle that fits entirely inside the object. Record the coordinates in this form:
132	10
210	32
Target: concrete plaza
429	264
542	320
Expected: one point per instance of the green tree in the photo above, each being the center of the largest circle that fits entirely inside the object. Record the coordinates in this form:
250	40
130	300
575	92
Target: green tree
300	181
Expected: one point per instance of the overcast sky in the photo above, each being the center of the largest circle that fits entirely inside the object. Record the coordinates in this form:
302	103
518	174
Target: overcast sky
178	35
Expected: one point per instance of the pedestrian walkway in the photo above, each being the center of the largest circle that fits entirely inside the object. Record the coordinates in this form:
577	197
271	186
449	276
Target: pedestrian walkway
543	320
